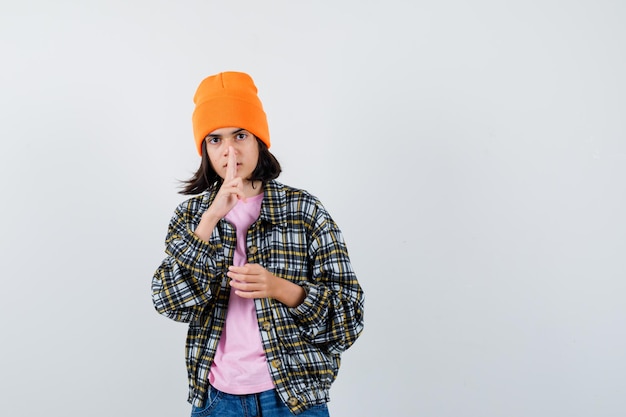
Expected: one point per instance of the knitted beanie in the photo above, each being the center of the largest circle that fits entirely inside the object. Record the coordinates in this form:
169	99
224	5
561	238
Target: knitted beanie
228	99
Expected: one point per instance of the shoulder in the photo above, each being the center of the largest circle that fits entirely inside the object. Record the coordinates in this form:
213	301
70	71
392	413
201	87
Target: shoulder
288	194
193	204
287	203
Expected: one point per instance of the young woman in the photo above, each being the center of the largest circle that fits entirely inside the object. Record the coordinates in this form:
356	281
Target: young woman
258	269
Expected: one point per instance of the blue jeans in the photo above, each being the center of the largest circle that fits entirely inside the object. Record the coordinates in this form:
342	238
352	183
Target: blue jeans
264	404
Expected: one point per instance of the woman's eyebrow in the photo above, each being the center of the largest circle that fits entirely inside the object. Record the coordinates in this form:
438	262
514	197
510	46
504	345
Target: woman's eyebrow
234	132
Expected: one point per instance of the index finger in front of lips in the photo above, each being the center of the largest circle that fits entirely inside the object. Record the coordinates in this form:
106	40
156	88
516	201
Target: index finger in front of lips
231	167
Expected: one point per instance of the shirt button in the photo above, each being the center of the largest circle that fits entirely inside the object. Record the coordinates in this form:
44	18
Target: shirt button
292	401
266	325
253	249
276	363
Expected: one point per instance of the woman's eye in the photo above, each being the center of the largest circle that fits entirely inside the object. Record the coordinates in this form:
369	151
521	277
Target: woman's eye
241	136
212	140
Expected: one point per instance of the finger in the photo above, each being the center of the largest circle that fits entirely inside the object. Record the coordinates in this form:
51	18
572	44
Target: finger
231	167
237	276
246	294
247	269
236	188
239	285
238	269
233	188
251	268
244	286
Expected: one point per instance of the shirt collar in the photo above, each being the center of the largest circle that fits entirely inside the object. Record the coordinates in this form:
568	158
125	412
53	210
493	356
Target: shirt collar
273	208
274	205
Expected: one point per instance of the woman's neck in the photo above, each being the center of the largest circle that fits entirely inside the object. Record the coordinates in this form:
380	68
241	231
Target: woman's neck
252	188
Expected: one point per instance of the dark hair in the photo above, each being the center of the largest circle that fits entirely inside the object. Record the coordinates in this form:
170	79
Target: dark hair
205	178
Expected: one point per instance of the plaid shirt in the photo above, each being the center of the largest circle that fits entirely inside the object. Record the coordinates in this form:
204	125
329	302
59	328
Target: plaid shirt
294	238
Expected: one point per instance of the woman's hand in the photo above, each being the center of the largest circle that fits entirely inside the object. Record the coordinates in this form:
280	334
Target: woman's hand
229	193
254	281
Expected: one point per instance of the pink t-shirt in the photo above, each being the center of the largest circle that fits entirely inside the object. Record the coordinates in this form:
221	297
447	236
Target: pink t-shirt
240	366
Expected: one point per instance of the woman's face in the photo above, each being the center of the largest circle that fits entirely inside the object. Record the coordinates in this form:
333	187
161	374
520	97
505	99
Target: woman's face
242	142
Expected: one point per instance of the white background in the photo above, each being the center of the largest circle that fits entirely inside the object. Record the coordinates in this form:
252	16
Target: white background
473	153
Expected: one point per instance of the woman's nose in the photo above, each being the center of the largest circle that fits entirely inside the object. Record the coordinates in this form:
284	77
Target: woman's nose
226	145
228	148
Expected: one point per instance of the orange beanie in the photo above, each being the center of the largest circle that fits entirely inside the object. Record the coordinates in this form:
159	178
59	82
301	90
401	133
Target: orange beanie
228	99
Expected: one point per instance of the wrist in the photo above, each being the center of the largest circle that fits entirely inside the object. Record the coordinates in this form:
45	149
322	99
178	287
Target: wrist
290	294
206	226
